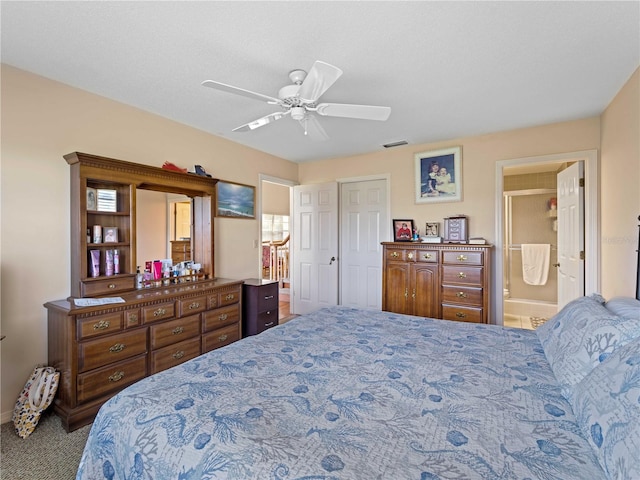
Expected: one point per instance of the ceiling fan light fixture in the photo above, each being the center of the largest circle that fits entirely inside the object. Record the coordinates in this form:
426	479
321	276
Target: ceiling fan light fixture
297	113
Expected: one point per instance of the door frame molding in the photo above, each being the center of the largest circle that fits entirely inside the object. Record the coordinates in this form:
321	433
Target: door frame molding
591	220
278	181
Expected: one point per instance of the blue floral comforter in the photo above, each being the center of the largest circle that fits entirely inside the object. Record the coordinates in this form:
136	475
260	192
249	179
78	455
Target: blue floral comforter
348	394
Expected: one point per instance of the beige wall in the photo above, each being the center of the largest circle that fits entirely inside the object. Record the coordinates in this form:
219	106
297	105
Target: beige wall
41	121
275	199
620	189
479	155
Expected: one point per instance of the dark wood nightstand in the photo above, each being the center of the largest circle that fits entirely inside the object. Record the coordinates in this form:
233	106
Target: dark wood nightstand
259	306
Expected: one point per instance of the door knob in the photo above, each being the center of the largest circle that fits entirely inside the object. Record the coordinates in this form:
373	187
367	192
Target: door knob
333	259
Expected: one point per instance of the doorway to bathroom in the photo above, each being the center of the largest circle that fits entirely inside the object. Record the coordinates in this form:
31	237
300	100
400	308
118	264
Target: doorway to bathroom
527	215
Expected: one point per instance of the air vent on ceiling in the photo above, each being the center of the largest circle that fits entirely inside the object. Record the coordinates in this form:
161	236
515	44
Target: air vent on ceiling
395	144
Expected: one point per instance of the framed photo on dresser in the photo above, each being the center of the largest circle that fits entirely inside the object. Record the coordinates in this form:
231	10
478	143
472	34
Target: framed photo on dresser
402	230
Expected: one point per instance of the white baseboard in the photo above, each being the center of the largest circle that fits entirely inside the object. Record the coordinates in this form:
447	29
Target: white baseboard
5	417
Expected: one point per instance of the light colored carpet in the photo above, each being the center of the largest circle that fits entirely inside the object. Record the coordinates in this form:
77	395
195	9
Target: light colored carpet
49	453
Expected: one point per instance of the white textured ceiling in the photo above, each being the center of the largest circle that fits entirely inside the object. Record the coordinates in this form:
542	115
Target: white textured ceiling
446	69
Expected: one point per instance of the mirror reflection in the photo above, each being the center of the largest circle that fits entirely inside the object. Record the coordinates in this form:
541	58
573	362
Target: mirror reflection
163	226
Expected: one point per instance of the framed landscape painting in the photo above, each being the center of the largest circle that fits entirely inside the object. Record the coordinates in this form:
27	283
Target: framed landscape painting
438	176
235	200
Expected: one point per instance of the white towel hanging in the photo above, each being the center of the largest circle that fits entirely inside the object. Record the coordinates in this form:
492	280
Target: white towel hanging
535	263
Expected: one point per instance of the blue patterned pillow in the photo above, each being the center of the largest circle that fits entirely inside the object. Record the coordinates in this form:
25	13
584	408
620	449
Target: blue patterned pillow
582	335
607	406
625	307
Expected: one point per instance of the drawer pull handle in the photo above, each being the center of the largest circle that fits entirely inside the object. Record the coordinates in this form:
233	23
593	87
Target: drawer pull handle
118	347
461	295
427	256
101	325
177	331
413	295
461	315
410	256
223	317
268	297
231	296
395	254
462	275
116	377
179	354
462	258
133	317
194	305
406	293
112	286
268	324
159	312
222	338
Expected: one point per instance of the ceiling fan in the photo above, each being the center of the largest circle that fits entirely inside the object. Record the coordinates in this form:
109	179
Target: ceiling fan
300	99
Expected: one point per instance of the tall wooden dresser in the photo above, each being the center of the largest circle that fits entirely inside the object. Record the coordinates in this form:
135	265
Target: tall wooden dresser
446	281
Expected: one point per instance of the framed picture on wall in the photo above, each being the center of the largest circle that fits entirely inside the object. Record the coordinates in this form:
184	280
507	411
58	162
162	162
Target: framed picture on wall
438	176
235	200
402	230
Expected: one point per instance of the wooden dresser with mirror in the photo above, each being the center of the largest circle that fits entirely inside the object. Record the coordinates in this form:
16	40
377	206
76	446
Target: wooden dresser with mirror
103	347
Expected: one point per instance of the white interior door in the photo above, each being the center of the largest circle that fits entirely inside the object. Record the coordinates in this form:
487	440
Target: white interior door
364	223
314	269
570	234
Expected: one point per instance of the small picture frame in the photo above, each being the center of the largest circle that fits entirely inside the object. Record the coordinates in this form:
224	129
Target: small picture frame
431	229
92	199
110	235
107	199
402	230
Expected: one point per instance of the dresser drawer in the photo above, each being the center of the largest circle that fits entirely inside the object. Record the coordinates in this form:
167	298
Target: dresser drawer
96	353
132	318
111	378
173	355
462	275
108	285
463	258
227	297
220	338
99	325
162	311
189	306
266	320
174	331
219	317
267	297
428	256
464	295
396	254
462	314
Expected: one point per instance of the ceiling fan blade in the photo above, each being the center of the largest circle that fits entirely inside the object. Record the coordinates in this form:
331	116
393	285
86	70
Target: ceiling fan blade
313	129
364	112
240	91
261	122
318	80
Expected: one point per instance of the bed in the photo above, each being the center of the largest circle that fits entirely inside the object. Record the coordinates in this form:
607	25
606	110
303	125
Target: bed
356	394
